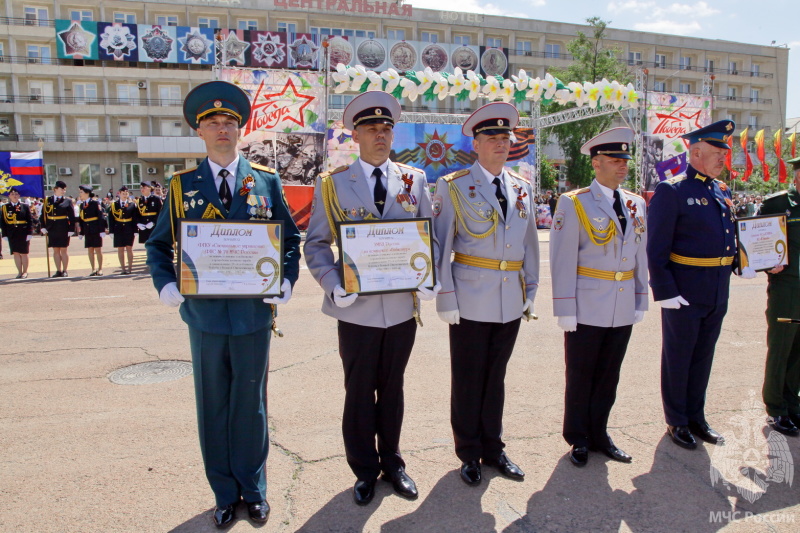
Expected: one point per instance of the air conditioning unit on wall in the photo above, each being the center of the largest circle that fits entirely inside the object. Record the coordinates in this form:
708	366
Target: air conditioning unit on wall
64	171
152	170
110	171
142	84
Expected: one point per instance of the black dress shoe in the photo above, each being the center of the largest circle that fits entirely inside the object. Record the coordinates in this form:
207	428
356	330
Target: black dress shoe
471	473
579	455
57	274
64	274
223	516
704	431
614	453
783	424
506	467
258	511
682	437
795	418
402	483
363	491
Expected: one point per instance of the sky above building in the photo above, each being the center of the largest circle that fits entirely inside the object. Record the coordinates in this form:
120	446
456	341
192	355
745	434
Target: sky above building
762	22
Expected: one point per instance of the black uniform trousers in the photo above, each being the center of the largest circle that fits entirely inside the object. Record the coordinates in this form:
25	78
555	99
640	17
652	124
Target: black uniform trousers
782	369
374	361
689	336
479	353
593	358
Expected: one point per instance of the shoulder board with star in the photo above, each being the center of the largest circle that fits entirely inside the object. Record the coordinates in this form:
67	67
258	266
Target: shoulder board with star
519	177
262	167
577	192
338	169
178	173
632	194
455	175
676	179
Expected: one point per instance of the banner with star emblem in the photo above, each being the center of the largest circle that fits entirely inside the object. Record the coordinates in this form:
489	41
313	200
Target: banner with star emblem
195	45
268	49
76	40
304	51
157	44
117	41
234	47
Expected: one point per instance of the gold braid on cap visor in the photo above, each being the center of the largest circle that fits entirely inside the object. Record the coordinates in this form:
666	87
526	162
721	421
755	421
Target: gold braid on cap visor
218	110
368	117
491	127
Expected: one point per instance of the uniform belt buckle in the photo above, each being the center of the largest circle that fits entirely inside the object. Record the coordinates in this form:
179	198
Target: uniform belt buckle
617	276
721	261
503	265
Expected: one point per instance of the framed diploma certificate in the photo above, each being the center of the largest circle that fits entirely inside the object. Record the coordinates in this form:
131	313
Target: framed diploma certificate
230	258
762	242
385	256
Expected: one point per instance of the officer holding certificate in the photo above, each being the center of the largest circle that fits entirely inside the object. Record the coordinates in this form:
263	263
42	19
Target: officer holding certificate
376	332
486	215
229	338
598	266
691	252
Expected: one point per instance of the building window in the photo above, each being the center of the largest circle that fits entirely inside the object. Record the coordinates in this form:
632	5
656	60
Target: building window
128	93
524	47
206	22
88	129
125	18
429	37
130	128
552	50
731	93
50	176
2	52
753	122
170	95
287	27
462	40
339	101
685	88
686	63
324	32
732	67
132	175
38	54
634	58
398	35
494	42
36	16
167	20
43	128
660	86
81	15
247	25
732	116
754	95
171	127
90	174
755	70
84	92
661	61
38	90
709	65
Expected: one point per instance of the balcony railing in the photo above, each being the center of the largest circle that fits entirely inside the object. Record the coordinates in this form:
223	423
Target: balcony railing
711	70
11	21
32	137
743	99
536	53
83	100
97	63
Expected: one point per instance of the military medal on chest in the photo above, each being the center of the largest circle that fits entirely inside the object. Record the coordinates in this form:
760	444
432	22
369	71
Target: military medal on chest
247	184
405	198
260	207
521	194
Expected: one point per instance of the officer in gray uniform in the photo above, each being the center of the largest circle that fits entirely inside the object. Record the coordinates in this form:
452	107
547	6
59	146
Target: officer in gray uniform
376	332
486	215
598	264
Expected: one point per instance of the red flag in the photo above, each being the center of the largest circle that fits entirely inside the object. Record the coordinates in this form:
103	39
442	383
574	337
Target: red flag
779	152
729	157
748	162
762	153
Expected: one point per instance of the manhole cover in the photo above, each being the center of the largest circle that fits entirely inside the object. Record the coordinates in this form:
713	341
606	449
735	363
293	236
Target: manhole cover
151	372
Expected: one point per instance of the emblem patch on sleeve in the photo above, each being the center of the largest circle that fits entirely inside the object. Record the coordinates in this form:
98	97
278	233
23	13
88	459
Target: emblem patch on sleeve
558	220
437	205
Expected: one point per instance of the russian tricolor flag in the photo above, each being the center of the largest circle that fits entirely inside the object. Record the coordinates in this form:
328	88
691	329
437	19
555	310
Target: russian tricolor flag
22	170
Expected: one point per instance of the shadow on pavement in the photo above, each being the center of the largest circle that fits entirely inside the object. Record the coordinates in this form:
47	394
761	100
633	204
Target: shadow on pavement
342	514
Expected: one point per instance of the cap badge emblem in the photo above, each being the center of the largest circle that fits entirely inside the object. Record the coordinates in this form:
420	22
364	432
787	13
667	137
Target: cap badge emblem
378	112
624	146
500	122
728	126
217	103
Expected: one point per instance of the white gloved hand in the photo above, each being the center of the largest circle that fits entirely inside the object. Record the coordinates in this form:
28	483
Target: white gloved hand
149	225
29	237
170	295
80	237
673	303
638	316
341	299
748	273
102	234
70	234
568	323
527	306
44	231
451	317
286	289
140	226
426	294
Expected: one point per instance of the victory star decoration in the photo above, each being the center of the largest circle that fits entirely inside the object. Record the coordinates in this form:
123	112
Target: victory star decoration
117	41
303	52
269	49
195	46
437	150
233	49
157	44
77	41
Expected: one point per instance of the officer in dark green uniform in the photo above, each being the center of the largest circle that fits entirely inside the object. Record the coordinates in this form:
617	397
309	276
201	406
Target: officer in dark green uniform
782	374
229	337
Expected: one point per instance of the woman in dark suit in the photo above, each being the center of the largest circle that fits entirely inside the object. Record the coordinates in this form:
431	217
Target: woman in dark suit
16	225
93	227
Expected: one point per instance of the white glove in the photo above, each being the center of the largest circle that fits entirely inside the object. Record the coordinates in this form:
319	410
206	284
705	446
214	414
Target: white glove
80	237
568	323
29	237
170	295
148	225
44	231
638	316
341	299
102	234
426	294
70	234
673	303
748	273
528	305
140	226
286	289
451	317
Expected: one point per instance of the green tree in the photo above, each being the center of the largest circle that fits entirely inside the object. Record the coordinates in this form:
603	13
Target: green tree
592	61
548	176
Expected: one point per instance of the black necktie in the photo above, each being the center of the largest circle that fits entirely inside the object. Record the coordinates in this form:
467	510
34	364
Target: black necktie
618	211
379	193
224	189
500	196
